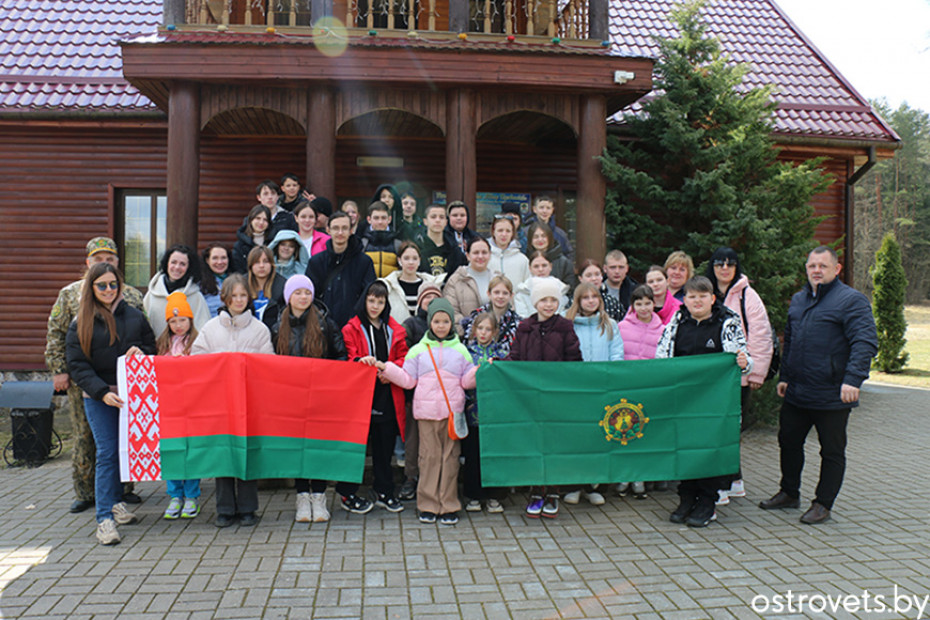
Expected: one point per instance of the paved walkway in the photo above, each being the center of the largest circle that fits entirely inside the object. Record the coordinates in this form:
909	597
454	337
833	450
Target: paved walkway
620	560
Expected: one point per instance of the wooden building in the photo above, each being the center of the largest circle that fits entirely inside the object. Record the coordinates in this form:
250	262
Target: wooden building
153	122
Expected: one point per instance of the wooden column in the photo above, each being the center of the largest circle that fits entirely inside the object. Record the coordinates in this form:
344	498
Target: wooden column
592	139
461	163
458	15
321	143
183	163
597	18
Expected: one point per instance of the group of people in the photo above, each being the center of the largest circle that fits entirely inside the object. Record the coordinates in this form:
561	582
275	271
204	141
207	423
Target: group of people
426	301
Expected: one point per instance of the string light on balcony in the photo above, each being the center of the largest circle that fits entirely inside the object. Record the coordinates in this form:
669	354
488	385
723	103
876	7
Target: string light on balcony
463	36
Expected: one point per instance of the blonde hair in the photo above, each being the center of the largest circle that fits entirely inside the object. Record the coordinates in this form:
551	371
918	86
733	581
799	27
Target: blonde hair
575	309
500	279
680	258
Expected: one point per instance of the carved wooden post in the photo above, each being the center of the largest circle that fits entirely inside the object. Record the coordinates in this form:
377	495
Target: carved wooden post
321	142
183	178
592	139
461	162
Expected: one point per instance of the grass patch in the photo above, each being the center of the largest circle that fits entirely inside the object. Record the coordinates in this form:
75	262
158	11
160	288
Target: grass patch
916	372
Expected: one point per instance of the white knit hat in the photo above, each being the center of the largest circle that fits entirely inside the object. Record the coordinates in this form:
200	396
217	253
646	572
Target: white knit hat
545	287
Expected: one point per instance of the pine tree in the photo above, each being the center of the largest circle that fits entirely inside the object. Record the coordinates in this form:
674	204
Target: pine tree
890	286
701	171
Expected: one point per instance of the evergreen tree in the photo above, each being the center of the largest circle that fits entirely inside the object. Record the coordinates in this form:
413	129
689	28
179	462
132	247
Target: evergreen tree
890	286
701	171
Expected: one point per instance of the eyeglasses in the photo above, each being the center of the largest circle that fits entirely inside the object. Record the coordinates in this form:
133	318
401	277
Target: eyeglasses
503	216
113	285
725	263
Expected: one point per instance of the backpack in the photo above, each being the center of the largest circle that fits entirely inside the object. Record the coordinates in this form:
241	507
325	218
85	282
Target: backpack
775	365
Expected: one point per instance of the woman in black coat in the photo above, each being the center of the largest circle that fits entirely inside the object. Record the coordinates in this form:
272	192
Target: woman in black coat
105	329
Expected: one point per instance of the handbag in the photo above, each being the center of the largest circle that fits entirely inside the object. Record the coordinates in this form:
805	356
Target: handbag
458	428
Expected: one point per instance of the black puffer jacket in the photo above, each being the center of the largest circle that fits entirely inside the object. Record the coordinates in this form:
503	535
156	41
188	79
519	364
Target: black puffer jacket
240	252
97	373
335	346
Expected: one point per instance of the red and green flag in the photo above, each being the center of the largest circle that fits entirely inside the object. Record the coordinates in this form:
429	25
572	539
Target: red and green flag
244	415
595	422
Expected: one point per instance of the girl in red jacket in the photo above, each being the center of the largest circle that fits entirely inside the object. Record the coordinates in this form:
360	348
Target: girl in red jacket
372	336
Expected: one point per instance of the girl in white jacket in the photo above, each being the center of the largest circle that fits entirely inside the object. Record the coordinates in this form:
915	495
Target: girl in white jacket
234	330
506	256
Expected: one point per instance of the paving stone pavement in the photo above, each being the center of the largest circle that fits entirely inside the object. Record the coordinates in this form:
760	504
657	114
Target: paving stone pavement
620	560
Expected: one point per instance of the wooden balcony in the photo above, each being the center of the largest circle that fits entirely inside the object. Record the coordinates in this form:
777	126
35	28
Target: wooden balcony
566	19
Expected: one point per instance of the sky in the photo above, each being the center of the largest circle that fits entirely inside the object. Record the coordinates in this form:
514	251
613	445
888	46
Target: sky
881	48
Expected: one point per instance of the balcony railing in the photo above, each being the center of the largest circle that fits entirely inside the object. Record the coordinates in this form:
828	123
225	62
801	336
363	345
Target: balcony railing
567	19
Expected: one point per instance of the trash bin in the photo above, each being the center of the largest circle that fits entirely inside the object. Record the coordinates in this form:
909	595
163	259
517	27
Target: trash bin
31	417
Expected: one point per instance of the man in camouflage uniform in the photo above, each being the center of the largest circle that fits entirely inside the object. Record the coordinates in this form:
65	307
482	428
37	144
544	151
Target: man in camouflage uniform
83	455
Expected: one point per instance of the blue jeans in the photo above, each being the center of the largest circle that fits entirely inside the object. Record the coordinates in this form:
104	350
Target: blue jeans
104	424
181	489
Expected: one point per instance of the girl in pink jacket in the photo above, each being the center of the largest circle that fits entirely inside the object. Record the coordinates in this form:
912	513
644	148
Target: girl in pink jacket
640	329
438	363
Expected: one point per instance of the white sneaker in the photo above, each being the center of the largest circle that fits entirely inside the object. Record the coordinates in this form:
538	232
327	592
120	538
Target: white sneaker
121	514
173	511
723	498
320	511
494	506
623	488
304	510
737	489
595	498
573	498
107	533
191	508
473	505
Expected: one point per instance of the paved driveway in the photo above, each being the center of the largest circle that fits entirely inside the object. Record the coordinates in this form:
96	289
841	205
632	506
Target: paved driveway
620	560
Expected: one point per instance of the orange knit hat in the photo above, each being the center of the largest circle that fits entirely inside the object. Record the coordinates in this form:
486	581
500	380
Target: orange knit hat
178	306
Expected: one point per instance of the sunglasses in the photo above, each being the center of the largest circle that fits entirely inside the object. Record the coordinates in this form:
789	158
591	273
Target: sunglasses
113	285
503	216
725	263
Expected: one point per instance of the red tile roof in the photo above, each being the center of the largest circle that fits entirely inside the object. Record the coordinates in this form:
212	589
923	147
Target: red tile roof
62	55
813	98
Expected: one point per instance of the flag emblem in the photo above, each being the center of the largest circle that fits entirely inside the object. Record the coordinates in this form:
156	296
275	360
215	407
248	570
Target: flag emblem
623	421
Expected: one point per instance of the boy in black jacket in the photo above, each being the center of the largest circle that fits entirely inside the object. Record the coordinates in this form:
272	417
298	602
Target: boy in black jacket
702	325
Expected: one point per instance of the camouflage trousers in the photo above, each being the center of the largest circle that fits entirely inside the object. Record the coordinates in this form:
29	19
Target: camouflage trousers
83	449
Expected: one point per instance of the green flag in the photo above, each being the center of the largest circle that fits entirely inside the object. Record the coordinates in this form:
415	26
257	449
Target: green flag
592	422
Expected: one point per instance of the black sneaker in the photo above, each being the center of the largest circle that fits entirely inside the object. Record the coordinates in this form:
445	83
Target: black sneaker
408	490
356	504
131	498
701	516
389	503
449	518
248	519
427	517
684	509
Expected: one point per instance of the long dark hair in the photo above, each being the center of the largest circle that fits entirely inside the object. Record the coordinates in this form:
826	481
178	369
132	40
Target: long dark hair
193	263
313	344
90	308
209	286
